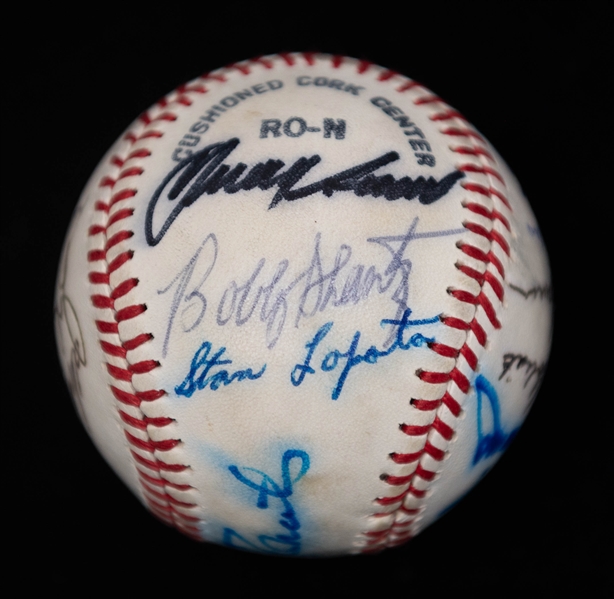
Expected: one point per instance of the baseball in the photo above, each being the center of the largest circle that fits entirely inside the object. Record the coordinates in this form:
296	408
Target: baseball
303	306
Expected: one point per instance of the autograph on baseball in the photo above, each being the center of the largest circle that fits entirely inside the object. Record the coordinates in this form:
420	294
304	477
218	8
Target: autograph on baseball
290	287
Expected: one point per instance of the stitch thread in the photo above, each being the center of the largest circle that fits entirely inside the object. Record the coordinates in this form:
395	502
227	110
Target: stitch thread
405	513
150	467
413	486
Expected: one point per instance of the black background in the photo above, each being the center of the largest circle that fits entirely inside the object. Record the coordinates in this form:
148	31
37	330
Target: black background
533	79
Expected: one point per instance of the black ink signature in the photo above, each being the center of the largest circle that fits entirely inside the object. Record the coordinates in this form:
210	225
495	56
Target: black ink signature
203	173
531	369
540	291
289	542
314	289
67	324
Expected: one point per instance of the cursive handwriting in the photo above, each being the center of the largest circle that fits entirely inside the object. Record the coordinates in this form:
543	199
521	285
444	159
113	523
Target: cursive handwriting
204	173
498	440
539	291
531	369
287	542
280	294
199	378
193	300
351	358
67	324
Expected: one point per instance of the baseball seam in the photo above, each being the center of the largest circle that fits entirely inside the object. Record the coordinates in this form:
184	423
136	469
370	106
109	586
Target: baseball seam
399	522
152	469
397	515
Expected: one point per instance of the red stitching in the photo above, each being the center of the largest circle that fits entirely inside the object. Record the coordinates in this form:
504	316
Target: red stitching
215	76
166	497
414	430
157	465
408	85
163	482
162	503
446	116
159	422
187	88
121	374
434	452
419	493
124	287
491	214
144	450
267	64
484	170
144	366
385	75
151	446
473	152
363	66
491	235
396	480
444	350
391	500
309	57
288	58
96	229
456	323
427	475
95	255
106	327
242	68
457	132
124	397
102	301
410	511
120	215
125	194
132	421
487	191
470	356
184	100
131	137
137	341
451	403
151	395
113	350
406	458
425	405
401	531
129	312
427	100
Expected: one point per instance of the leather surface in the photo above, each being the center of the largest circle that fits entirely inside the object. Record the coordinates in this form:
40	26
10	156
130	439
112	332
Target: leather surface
261	280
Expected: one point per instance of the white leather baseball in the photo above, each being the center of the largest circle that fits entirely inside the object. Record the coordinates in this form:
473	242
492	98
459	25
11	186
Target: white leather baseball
303	306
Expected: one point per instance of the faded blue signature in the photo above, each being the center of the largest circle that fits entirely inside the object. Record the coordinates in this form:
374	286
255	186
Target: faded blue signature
498	440
350	358
283	293
199	378
288	541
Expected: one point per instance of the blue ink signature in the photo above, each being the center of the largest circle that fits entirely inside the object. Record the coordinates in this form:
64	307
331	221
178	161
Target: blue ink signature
498	440
371	356
289	541
198	377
